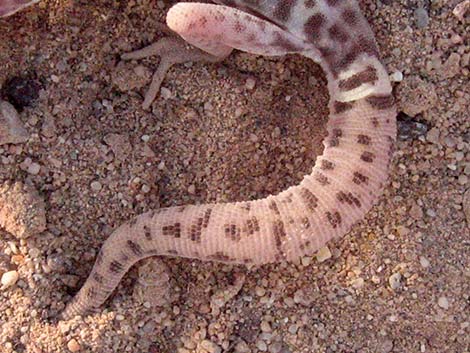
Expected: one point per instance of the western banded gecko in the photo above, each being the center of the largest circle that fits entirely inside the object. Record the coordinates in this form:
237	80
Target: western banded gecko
345	181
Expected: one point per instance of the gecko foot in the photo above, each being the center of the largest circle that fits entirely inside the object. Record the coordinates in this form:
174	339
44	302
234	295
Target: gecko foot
171	51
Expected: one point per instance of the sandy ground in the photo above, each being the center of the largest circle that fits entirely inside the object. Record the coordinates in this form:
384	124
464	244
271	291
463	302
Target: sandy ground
241	129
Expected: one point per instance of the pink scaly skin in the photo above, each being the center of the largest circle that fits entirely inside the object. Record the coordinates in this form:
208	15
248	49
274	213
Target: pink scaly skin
346	180
9	7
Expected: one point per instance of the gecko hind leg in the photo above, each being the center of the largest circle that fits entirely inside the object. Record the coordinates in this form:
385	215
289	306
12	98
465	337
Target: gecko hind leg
172	51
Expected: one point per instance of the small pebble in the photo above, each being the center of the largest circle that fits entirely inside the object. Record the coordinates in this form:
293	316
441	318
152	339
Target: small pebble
242	347
443	303
463	179
424	262
293	329
265	326
210	346
421	17
73	345
358	283
275	347
250	83
397	76
323	254
95	185
394	280
261	345
34	168
9	278
12	129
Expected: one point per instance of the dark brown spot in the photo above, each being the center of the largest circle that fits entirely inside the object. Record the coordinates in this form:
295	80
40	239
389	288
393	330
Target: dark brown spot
232	231
310	4
282	10
336	134
305	223
273	206
363	139
338	33
98	278
360	178
309	199
251	226
239	27
91	293
206	218
334	218
367	156
381	102
195	231
115	266
172	230
333	3
322	179
362	45
172	252
351	17
348	197
369	75
375	122
147	233
278	229
314	24
341	107
305	245
279	233
326	165
288	199
135	248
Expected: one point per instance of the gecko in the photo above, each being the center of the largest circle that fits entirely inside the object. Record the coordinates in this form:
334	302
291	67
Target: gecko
346	180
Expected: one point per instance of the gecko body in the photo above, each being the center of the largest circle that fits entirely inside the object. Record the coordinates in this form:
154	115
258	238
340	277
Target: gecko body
345	181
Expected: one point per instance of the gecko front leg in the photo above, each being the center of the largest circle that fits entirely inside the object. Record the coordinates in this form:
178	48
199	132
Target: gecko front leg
172	51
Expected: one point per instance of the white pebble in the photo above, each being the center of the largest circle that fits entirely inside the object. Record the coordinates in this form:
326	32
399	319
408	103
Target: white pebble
394	280
95	185
34	169
424	262
165	93
9	278
443	303
397	76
